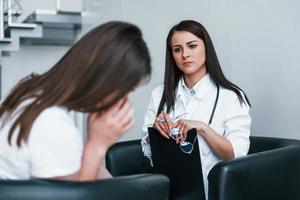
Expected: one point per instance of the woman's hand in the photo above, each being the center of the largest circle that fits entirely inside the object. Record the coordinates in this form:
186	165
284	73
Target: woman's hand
106	128
220	145
163	124
186	125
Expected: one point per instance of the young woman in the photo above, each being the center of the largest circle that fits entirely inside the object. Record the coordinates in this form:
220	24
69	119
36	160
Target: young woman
196	88
38	137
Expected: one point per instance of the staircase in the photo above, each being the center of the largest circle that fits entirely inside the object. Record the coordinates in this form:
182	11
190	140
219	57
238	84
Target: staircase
43	27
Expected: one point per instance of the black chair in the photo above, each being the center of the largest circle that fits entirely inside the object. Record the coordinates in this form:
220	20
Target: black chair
126	158
270	171
140	187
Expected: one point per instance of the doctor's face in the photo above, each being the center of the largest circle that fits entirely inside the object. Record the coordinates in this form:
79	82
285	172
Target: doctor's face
189	53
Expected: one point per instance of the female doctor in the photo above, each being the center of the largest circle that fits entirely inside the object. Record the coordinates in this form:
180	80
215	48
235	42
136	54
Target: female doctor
196	89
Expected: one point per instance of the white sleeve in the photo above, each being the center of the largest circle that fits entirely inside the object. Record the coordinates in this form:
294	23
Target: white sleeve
149	119
55	145
237	125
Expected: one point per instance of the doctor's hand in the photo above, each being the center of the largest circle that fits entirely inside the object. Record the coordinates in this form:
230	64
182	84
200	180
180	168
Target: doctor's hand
186	125
163	124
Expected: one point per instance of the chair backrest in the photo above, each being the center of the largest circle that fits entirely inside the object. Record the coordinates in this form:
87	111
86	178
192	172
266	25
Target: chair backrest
140	187
260	144
126	158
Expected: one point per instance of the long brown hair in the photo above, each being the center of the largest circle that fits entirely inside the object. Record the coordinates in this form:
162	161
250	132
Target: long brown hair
112	57
173	73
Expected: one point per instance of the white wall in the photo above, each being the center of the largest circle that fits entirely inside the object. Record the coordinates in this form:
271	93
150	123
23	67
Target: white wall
29	59
265	50
257	43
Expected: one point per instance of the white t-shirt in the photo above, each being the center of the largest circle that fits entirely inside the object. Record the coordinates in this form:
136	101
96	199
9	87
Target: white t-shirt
54	148
231	119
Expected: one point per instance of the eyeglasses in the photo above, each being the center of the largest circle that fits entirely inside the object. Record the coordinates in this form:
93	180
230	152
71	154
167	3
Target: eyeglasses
185	146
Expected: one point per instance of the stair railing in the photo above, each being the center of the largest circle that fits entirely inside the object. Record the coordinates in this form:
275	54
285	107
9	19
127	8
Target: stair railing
1	20
16	24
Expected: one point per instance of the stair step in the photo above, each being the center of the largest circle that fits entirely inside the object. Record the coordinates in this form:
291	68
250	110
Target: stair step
22	25
59	28
5	40
54	18
16	34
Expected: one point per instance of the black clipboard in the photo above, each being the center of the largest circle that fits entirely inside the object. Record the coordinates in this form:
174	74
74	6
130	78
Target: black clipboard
183	170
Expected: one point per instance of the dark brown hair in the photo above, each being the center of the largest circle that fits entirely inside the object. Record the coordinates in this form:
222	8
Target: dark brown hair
173	73
112	57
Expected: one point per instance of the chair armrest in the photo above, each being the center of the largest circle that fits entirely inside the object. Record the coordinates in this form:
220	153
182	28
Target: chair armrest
273	174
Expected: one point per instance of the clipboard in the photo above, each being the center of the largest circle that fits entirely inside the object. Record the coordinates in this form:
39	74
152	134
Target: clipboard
184	170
